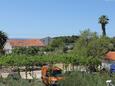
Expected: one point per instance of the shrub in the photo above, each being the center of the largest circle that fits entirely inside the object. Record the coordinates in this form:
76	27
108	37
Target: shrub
83	79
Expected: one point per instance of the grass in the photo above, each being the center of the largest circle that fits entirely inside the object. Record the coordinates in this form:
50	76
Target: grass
71	79
83	79
15	80
20	82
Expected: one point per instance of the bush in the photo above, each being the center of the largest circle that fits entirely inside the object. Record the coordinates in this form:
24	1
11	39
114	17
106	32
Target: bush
14	76
19	82
83	79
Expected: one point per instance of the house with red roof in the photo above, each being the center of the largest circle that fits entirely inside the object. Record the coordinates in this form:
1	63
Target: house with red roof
108	60
13	43
110	56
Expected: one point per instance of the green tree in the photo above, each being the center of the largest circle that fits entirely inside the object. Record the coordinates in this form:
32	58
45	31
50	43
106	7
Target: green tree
97	48
68	39
57	43
81	45
26	50
3	39
32	50
91	48
103	20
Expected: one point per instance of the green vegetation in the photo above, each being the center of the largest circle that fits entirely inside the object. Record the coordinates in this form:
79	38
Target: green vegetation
91	48
61	43
22	60
68	39
103	20
3	39
88	50
83	79
25	50
19	82
71	79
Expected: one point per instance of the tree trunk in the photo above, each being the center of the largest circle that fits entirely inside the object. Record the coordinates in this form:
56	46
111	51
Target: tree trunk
103	29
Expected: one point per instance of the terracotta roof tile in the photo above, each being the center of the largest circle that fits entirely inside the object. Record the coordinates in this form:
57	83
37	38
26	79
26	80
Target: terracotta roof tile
25	42
110	56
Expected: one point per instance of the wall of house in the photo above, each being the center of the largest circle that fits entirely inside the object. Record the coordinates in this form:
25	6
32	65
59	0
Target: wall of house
7	48
106	64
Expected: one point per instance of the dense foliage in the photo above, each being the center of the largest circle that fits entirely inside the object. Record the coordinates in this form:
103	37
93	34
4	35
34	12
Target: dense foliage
68	39
3	39
89	49
103	20
19	82
63	43
26	50
36	59
92	47
83	79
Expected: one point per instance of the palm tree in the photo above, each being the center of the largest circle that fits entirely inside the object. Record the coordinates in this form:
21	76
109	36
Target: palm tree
3	39
103	20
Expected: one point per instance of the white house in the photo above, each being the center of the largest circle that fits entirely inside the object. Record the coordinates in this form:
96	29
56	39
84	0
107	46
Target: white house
8	47
108	60
13	43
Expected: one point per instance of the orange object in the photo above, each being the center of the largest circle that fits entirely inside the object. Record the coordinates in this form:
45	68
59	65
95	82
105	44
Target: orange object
110	56
51	75
26	42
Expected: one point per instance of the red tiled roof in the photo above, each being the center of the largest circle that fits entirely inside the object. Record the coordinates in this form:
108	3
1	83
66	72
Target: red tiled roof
110	56
25	42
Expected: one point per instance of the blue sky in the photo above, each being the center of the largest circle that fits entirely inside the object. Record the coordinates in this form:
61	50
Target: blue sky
41	18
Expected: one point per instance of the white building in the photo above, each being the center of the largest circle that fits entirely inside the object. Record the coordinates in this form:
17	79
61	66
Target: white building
13	43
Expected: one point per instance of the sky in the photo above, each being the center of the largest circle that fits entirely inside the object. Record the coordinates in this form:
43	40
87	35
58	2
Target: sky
42	18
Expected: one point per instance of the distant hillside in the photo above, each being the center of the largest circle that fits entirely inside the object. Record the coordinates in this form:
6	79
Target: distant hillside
68	39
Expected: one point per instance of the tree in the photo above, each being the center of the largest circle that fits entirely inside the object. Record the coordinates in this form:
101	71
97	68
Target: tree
97	48
81	45
91	48
3	39
103	20
68	39
24	50
57	43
